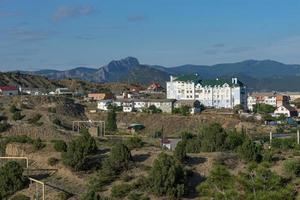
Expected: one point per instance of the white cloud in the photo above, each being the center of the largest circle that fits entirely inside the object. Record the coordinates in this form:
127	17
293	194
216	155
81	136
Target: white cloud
65	12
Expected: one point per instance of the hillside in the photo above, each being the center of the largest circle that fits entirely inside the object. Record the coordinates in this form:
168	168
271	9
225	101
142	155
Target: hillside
264	75
27	81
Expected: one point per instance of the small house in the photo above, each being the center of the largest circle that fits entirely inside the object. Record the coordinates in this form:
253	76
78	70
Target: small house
104	104
169	143
286	110
100	96
9	90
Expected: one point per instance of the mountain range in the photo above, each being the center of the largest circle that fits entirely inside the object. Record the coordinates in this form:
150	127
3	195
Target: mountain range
258	75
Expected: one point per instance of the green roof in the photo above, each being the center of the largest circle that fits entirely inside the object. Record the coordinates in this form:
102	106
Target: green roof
210	82
189	78
216	82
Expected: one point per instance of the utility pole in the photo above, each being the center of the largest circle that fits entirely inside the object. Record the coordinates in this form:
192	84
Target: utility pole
298	137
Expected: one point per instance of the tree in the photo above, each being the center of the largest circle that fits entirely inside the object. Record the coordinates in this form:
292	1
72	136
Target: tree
78	150
17	115
292	167
259	182
119	158
153	109
134	142
213	138
180	151
167	177
60	145
234	139
249	151
263	108
111	122
11	179
219	185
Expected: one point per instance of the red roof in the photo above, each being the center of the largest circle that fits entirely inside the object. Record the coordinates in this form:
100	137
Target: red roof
8	88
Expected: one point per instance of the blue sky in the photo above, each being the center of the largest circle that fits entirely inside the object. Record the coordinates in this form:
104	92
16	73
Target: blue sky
62	34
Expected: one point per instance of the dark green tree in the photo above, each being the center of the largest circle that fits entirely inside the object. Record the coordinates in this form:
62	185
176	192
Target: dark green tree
249	151
167	177
11	179
219	185
78	150
213	138
180	151
111	122
259	182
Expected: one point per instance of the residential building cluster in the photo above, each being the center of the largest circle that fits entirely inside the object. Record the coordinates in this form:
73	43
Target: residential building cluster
217	93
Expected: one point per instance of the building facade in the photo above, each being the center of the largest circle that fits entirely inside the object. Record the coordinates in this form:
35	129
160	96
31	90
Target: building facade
272	99
218	93
9	90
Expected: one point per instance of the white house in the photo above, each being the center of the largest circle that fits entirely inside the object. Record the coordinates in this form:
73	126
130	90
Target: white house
63	91
286	110
9	90
272	99
218	93
130	105
103	104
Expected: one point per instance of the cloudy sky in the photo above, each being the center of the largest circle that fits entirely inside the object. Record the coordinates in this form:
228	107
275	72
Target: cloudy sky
62	34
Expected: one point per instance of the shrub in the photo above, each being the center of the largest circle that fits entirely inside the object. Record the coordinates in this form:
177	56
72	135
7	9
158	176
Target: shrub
52	161
220	184
13	109
134	143
283	143
167	177
56	122
64	196
51	110
77	151
35	119
249	151
120	191
60	145
234	139
213	138
17	116
119	158
4	126
292	167
268	156
20	197
11	179
183	110
180	151
38	144
111	122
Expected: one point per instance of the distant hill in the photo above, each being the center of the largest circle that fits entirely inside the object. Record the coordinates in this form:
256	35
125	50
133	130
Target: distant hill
266	75
27	80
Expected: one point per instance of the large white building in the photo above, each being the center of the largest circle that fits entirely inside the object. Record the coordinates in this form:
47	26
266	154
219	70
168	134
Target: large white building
218	93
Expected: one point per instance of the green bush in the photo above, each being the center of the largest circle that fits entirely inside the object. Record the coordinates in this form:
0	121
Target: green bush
51	110
283	143
4	126
134	143
213	138
60	145
249	151
38	144
292	167
120	191
17	116
52	161
111	122
56	122
78	150
35	119
167	177
20	197
180	151
11	179
13	109
183	110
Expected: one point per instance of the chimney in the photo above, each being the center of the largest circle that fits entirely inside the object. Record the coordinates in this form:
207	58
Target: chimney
234	80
